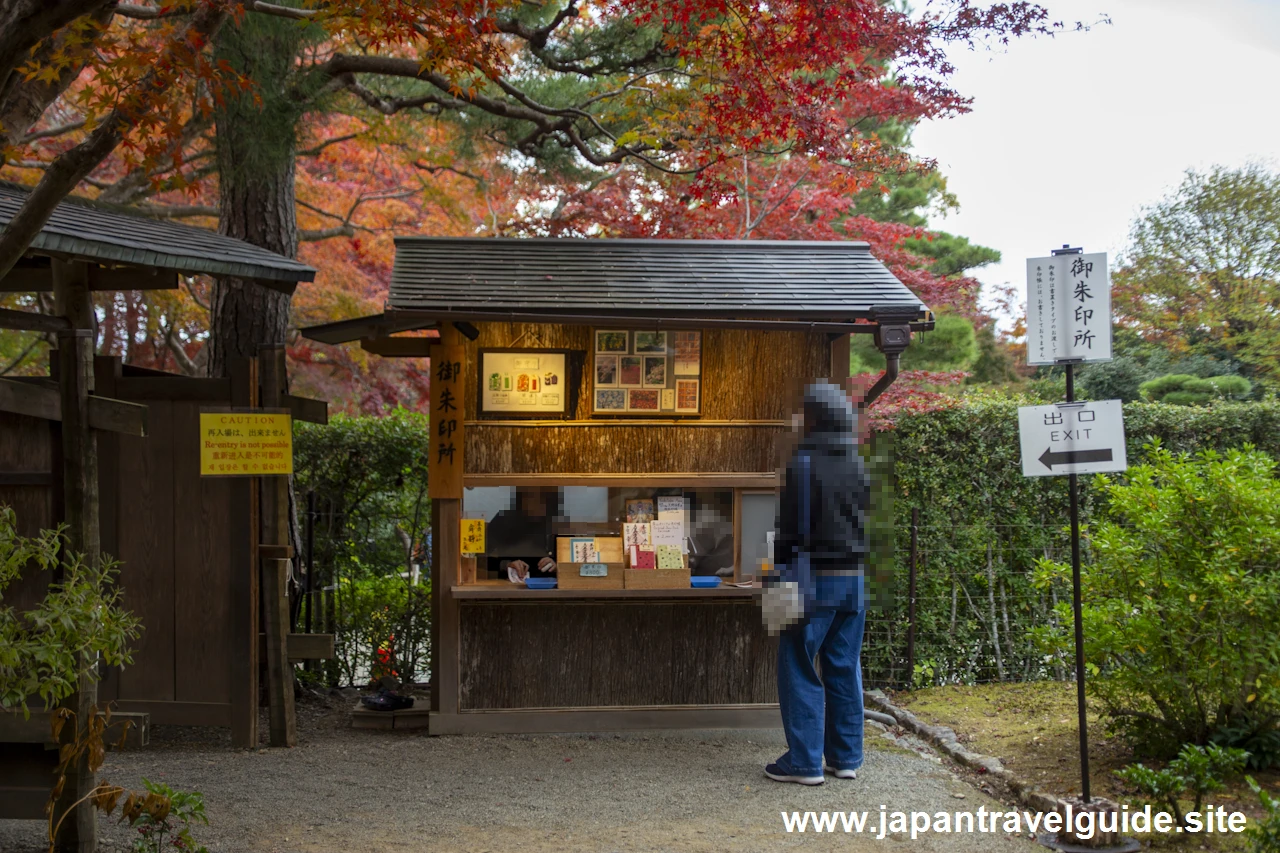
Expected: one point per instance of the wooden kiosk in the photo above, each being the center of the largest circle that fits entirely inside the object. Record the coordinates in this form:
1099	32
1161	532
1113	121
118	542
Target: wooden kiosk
621	378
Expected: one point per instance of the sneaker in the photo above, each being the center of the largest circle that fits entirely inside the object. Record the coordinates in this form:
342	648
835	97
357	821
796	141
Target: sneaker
777	774
840	774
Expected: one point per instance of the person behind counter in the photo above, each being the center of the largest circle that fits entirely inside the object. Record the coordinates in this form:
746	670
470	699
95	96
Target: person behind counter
521	537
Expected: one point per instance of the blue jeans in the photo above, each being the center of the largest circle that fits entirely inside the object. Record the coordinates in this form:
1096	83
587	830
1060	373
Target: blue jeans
822	714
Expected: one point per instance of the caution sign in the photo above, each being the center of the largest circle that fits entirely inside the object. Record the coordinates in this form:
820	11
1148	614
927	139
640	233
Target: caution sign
245	444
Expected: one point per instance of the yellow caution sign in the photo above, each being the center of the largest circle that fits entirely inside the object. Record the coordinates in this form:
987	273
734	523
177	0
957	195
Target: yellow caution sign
245	444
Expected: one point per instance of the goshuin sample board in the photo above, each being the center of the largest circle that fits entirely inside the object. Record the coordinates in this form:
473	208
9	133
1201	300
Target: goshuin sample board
646	373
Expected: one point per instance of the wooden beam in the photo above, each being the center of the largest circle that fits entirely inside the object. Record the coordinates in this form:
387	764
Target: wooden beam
165	713
275	552
282	717
35	278
14	728
29	321
26	478
174	388
304	647
42	401
419	347
307	409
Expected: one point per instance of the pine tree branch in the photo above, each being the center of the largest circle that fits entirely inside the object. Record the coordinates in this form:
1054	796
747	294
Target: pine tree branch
151	13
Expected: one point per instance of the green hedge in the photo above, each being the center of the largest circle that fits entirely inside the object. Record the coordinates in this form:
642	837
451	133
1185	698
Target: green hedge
983	525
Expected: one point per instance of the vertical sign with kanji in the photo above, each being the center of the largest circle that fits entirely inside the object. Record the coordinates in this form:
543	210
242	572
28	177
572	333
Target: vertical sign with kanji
444	470
1068	309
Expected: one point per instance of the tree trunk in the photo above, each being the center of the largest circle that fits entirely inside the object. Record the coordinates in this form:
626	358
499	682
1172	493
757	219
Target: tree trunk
256	166
259	209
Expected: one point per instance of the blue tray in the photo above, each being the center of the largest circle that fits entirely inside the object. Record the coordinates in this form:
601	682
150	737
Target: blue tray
704	582
540	583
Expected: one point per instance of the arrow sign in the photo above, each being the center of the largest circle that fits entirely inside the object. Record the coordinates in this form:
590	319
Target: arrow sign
1072	438
1071	457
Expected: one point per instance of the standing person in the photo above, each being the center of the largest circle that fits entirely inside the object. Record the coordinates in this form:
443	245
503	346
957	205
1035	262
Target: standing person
822	532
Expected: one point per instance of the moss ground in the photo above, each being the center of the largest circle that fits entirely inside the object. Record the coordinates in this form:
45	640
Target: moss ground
1032	729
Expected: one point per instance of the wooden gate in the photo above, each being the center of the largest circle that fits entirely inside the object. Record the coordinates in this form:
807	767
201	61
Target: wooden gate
188	544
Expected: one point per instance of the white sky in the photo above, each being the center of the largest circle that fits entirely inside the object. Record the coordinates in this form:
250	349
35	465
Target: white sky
1070	137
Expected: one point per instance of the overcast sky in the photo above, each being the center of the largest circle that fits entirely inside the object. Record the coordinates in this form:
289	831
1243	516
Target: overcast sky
1070	137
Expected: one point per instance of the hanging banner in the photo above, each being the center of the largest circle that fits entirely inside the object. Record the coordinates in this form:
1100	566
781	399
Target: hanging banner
444	466
249	443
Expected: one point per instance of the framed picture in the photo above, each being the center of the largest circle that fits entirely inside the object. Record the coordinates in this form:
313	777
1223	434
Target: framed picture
611	400
651	342
639	510
606	371
687	351
611	341
531	383
655	371
645	400
630	371
688	395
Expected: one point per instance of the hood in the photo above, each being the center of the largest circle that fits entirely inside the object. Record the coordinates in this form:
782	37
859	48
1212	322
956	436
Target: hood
829	417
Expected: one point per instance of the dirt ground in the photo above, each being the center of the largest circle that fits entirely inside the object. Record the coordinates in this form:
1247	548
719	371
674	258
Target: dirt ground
351	790
1031	728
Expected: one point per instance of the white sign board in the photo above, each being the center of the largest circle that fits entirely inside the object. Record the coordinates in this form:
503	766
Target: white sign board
527	382
1068	309
1072	438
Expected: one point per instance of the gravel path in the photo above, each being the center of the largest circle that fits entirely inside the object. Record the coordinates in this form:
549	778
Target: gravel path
347	790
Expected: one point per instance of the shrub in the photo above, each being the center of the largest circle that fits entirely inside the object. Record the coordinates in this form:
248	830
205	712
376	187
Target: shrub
1197	771
164	817
1265	834
1183	389
370	479
45	650
1183	590
383	628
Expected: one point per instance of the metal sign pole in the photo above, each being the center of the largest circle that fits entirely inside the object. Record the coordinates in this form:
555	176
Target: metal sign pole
1072	481
1074	504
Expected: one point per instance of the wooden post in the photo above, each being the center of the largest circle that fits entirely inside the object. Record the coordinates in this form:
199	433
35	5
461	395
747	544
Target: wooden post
245	577
275	572
840	355
73	300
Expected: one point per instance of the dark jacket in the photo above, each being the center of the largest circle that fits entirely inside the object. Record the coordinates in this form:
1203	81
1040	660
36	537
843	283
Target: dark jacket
513	535
835	479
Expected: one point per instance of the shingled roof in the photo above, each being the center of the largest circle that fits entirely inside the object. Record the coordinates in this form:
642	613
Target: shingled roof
503	278
107	234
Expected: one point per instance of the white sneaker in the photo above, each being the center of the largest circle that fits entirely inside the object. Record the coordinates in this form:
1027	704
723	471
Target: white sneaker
840	774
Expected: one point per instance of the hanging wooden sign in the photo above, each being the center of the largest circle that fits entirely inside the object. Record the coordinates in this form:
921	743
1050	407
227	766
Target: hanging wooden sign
444	465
